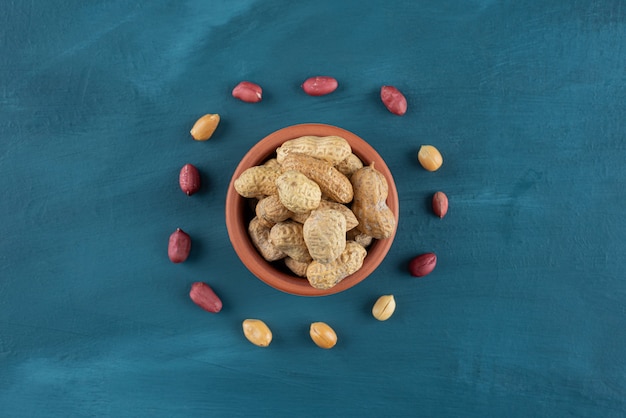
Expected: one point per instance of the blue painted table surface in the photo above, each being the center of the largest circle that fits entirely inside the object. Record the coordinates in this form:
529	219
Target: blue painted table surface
525	314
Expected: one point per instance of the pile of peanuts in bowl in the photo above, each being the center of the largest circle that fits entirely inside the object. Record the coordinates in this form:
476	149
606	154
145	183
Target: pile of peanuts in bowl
317	208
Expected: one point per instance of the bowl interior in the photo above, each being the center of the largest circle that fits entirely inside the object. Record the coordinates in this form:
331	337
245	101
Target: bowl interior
239	213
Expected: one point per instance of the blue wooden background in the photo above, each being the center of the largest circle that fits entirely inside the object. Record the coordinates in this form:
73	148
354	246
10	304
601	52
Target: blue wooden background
525	315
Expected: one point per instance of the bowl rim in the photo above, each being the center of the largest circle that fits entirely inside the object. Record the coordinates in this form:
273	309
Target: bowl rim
235	207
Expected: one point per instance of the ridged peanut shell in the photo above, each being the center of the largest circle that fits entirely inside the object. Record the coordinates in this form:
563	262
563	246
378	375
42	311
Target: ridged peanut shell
271	210
332	149
331	182
288	237
349	165
258	181
259	234
369	205
325	235
351	221
326	276
358	236
297	192
297	267
273	162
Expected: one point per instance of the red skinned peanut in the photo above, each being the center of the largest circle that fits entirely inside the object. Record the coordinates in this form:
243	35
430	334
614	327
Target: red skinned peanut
203	296
179	246
248	92
189	179
393	100
440	204
319	86
423	264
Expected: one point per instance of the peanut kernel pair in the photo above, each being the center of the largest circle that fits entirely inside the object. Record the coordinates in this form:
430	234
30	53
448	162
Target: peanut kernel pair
259	334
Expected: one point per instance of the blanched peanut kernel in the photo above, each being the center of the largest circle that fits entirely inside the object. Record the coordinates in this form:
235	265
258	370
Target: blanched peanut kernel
257	332
205	126
384	307
429	157
323	335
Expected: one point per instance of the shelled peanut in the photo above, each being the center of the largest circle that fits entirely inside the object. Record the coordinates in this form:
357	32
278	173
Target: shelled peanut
323	335
317	208
257	332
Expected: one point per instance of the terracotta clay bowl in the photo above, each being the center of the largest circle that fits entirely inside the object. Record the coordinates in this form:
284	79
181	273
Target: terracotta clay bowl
239	213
